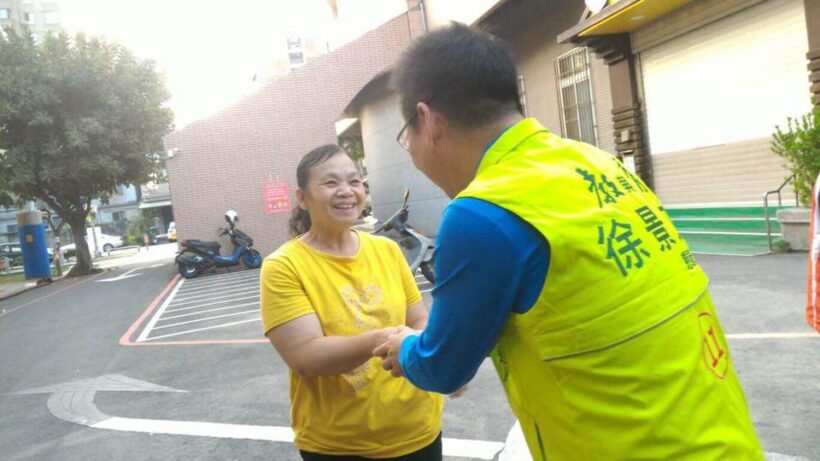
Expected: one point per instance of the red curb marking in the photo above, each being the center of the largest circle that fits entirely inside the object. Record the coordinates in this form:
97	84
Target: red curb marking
125	340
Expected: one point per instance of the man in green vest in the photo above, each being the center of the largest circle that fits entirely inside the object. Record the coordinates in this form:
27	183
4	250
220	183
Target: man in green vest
558	262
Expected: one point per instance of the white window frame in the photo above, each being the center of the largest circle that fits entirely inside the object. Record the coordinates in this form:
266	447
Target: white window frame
575	77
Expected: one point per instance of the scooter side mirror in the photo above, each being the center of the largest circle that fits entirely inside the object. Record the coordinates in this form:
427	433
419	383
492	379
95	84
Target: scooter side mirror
406	197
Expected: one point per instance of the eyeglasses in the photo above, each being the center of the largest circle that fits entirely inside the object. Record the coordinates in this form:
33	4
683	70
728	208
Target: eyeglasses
402	136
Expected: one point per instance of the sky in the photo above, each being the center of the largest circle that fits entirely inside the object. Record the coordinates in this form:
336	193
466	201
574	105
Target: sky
210	51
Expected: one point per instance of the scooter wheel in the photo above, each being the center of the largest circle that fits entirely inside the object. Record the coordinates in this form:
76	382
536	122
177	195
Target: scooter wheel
252	259
188	271
428	271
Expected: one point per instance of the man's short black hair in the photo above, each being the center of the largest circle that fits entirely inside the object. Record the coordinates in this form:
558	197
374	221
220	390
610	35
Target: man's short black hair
468	75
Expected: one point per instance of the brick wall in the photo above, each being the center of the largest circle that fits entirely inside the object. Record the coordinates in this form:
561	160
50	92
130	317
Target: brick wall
222	161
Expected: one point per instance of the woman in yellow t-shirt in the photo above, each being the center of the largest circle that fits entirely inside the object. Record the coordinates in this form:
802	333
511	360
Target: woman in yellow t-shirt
329	297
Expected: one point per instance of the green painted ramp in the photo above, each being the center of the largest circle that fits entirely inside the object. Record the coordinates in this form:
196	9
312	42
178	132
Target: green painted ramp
737	231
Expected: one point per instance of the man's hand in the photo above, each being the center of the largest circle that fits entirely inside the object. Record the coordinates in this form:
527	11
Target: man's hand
459	392
389	351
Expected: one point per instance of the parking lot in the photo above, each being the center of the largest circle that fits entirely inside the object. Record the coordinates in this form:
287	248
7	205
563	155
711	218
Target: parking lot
209	387
214	308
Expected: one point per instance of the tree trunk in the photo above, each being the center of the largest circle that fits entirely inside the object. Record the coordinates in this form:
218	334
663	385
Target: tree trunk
83	256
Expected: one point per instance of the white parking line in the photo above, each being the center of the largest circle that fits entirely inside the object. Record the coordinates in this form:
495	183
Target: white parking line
209	304
206	280
200	298
221	286
179	333
795	335
250	288
147	330
208	318
197	300
207	310
226	281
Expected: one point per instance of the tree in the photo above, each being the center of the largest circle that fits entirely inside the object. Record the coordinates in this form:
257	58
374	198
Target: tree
78	117
140	225
799	144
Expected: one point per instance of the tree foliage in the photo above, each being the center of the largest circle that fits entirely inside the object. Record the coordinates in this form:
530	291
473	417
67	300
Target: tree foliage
799	144
78	117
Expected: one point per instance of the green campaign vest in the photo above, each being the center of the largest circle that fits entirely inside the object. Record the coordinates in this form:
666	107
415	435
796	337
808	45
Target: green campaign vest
622	355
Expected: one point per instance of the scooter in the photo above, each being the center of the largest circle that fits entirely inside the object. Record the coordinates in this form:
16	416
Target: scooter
197	256
419	251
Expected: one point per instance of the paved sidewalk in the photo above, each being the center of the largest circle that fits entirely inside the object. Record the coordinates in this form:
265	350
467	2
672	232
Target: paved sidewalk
9	289
155	254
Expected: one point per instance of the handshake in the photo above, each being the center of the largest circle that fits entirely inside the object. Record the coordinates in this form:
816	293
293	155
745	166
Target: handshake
389	340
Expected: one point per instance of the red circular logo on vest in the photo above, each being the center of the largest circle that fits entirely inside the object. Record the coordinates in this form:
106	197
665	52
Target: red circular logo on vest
715	353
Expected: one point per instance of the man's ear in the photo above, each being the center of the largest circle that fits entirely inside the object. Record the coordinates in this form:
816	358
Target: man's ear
435	124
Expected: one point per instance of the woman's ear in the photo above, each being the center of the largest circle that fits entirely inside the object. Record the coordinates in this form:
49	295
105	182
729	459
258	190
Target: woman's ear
300	199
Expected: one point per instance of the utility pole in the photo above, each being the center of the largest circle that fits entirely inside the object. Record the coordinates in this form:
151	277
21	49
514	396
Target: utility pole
56	230
93	216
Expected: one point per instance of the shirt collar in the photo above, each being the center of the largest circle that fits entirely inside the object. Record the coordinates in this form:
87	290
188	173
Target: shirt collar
507	140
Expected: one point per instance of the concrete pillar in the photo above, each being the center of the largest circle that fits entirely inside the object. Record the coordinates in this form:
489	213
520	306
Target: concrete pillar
813	28
627	106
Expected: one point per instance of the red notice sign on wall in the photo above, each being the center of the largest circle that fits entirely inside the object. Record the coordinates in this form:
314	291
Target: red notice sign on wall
277	199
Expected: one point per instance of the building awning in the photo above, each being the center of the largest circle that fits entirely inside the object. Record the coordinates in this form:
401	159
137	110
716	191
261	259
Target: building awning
146	205
379	82
620	16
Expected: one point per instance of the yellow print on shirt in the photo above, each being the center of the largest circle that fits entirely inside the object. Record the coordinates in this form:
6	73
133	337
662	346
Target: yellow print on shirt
364	305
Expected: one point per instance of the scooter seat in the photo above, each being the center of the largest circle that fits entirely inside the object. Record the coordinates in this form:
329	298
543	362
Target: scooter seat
213	246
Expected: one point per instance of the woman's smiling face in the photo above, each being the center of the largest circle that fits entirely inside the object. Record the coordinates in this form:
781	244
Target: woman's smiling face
335	193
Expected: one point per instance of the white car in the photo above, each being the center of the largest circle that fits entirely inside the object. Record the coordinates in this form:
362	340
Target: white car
104	241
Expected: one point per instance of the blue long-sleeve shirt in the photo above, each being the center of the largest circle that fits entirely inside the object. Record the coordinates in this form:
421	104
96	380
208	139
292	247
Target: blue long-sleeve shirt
489	264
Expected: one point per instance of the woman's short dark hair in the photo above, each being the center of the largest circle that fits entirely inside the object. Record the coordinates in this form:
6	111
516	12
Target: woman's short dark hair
299	218
468	75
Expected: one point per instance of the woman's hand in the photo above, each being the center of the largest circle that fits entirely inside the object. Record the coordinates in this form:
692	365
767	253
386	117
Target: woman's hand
382	335
308	352
389	350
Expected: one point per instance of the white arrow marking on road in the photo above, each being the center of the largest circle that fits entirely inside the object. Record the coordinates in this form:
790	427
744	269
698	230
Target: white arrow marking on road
74	402
124	276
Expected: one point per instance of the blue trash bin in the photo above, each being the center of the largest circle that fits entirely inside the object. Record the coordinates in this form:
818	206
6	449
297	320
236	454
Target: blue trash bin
33	244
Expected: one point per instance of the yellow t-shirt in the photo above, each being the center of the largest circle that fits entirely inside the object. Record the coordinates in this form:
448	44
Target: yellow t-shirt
366	412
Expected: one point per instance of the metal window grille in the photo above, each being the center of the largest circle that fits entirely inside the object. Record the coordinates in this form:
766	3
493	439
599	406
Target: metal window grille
573	72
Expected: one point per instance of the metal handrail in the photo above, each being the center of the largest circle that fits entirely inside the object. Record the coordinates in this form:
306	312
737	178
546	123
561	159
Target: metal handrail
779	204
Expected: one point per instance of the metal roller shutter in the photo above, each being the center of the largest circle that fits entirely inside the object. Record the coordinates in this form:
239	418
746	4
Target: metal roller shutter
731	80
